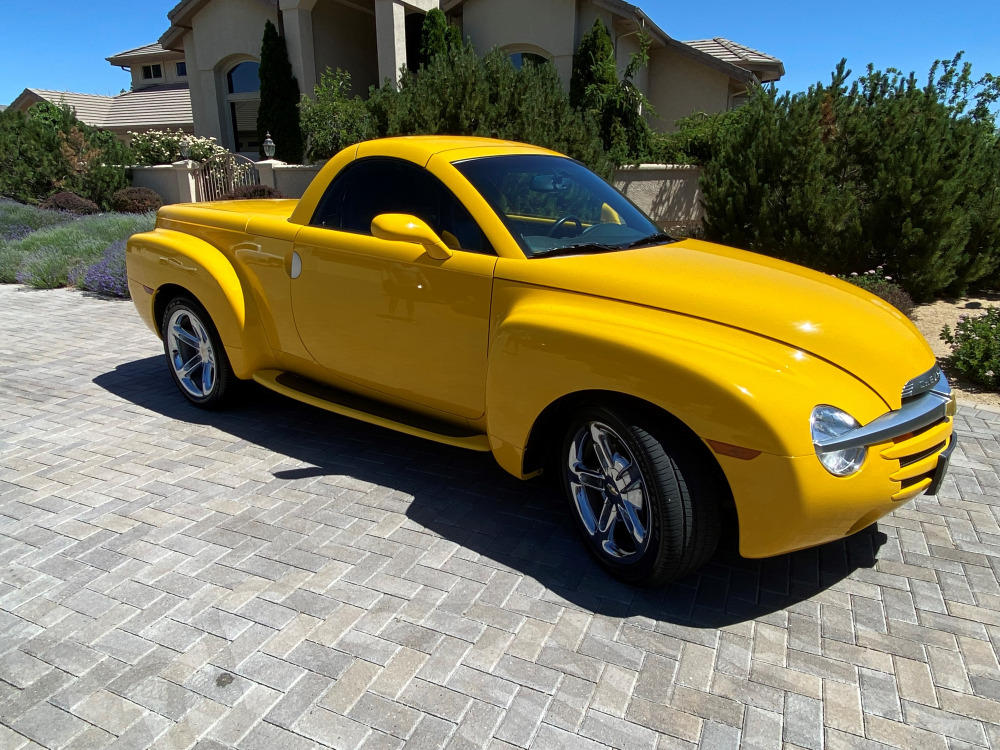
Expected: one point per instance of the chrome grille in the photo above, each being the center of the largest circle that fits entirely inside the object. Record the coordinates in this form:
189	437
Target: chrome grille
922	383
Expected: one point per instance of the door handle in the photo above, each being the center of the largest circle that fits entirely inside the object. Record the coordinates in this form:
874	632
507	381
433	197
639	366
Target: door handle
293	265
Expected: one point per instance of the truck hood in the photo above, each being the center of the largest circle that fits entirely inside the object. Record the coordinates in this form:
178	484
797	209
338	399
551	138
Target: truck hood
804	309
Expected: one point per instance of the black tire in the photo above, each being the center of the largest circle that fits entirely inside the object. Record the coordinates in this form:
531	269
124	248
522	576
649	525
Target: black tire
658	481
194	336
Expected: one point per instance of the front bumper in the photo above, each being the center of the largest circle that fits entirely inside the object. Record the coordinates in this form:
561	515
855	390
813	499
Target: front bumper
788	503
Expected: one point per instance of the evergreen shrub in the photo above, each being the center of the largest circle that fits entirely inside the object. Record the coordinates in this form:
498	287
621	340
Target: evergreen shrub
278	113
460	93
975	347
136	200
882	172
48	150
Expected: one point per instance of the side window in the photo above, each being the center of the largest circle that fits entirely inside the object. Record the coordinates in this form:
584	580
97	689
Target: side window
386	186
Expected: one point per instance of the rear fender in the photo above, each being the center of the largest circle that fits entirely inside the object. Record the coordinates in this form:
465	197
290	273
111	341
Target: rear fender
165	261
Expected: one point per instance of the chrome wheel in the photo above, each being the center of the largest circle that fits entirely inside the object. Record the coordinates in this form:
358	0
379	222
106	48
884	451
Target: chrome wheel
609	492
191	353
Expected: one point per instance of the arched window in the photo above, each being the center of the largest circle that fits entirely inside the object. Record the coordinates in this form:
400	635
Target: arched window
243	83
520	59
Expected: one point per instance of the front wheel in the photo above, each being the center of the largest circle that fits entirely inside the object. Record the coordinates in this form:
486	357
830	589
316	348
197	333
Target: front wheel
195	355
645	501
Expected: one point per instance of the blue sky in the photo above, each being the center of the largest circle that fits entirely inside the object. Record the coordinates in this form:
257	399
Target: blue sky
61	44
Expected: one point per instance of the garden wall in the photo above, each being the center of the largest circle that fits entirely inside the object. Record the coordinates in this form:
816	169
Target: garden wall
670	194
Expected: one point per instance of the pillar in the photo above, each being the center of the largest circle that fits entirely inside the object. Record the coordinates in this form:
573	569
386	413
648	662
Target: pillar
296	15
390	35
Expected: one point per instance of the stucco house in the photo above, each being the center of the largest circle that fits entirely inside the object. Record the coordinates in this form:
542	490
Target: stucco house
158	100
219	41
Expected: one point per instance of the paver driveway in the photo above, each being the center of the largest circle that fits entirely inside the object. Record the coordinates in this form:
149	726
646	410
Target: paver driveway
278	577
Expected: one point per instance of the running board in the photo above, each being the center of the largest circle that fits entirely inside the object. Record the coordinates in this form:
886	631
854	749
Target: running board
369	410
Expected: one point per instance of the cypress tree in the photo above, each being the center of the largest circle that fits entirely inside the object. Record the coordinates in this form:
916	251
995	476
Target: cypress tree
591	68
617	105
279	98
437	36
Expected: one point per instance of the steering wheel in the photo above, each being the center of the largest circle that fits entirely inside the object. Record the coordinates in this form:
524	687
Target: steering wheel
565	220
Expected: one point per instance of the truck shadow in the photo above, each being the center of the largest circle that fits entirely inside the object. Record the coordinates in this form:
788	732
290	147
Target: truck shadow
467	499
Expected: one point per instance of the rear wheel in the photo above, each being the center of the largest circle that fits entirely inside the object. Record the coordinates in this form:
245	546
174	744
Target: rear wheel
643	499
195	355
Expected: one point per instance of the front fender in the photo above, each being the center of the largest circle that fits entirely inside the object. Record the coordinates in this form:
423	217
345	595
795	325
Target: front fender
725	384
166	258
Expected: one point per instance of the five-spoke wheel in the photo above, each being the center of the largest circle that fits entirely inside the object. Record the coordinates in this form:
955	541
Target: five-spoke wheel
195	354
644	501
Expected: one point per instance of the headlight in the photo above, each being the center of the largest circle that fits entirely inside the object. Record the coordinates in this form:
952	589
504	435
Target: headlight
827	422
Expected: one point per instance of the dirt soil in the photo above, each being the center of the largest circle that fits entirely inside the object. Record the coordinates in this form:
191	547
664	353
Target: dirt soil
931	317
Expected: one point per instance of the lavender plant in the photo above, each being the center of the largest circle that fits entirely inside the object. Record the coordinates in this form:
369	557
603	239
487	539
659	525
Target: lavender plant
107	276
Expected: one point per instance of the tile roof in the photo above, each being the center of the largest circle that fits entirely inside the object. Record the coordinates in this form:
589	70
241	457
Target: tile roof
166	104
155	106
146	52
737	54
90	109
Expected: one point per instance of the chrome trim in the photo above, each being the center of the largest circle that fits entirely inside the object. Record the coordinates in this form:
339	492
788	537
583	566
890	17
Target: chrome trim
923	410
942	467
922	383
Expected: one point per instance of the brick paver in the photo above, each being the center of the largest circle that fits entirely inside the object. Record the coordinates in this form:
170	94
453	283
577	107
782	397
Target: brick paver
276	576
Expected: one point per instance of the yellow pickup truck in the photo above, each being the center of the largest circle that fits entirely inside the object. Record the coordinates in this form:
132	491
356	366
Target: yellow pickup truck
501	297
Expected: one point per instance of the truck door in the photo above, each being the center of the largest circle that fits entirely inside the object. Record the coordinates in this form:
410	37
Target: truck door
384	314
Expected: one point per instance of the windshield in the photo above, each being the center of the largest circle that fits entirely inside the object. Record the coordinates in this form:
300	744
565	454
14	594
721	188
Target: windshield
554	205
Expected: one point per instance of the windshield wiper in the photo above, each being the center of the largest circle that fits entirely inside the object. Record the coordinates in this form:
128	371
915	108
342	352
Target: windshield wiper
586	247
660	238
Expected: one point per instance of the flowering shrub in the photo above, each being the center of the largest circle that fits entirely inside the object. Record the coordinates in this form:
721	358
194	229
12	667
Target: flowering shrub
107	275
876	282
164	147
60	255
17	220
975	347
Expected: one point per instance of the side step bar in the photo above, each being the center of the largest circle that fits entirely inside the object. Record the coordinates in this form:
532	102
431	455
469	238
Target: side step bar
371	411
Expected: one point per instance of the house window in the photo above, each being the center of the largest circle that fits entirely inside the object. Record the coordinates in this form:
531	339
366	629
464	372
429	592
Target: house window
521	58
182	69
150	72
243	83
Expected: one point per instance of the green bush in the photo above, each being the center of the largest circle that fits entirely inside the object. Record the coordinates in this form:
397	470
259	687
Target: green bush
71	203
48	150
876	282
164	147
884	172
459	93
136	200
695	139
54	256
975	347
332	119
